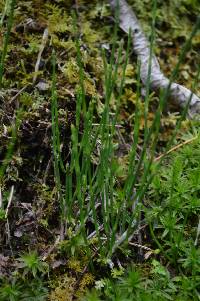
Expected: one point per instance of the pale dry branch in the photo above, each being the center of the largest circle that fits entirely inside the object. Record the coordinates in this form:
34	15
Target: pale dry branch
141	46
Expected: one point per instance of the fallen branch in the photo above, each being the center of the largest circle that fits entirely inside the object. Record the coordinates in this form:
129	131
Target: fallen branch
141	46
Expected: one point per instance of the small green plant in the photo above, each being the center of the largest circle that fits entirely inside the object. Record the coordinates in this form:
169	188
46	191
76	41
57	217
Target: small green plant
9	9
27	282
176	191
31	264
10	291
2	214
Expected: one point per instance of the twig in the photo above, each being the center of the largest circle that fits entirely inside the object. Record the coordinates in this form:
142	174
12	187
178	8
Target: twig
9	201
51	249
42	46
123	237
47	170
8	236
140	246
6	216
116	125
18	93
140	237
100	228
175	148
62	230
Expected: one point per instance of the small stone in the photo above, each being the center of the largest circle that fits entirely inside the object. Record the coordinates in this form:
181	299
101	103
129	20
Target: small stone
42	86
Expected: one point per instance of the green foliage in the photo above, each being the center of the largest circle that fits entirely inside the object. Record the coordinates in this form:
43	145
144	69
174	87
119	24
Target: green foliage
175	205
2	214
172	211
8	10
102	190
10	291
23	290
73	246
27	282
18	289
30	263
157	285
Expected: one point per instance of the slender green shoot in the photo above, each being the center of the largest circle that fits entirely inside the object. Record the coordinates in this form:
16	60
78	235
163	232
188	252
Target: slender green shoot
6	40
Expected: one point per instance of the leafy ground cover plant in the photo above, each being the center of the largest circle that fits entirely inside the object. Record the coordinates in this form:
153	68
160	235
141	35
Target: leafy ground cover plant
172	211
27	281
